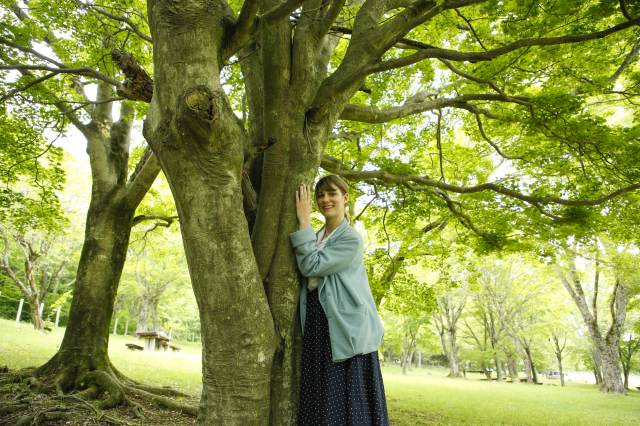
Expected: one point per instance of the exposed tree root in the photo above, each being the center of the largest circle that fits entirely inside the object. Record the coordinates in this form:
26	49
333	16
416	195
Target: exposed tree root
15	376
91	392
163	391
44	416
165	402
12	408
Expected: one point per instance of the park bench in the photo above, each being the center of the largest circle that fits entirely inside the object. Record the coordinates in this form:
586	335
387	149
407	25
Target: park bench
174	348
133	347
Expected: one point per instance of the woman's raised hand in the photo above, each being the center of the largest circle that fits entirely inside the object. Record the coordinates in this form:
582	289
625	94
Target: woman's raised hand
303	206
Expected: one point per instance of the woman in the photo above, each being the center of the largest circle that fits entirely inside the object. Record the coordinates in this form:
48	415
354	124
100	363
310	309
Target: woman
341	382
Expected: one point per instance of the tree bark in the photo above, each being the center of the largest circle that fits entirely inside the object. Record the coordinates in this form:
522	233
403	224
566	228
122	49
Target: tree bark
34	311
103	254
597	366
559	358
606	348
558	349
454	370
531	364
513	369
200	145
114	199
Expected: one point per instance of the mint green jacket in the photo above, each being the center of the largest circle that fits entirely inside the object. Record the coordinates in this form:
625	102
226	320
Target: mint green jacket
344	293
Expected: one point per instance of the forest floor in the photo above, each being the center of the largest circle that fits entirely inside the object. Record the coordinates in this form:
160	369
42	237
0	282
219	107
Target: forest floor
421	397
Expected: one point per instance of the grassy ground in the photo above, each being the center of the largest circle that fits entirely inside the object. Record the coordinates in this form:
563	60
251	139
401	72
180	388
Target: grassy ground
422	397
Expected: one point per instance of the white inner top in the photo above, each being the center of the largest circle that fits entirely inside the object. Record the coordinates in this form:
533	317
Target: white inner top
313	282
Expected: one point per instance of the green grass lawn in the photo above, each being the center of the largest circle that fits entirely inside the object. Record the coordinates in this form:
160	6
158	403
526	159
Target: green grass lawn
422	397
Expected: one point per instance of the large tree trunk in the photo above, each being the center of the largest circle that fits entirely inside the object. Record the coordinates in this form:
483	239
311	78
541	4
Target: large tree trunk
103	254
200	144
246	288
611	374
114	199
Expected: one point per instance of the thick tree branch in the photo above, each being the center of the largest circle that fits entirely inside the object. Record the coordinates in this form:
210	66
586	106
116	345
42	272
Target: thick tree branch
403	43
623	9
455	55
243	29
281	11
137	85
628	60
335	166
84	71
330	16
142	218
418	104
416	14
142	178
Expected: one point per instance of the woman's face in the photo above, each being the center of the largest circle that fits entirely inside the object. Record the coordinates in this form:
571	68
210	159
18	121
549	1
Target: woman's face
331	202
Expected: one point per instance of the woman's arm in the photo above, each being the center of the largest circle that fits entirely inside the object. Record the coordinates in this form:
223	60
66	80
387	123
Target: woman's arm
336	256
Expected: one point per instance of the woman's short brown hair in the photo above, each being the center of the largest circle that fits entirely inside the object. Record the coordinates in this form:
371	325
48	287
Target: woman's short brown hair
330	181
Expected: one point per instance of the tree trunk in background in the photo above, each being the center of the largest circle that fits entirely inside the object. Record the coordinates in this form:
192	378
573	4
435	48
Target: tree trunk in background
627	351
527	369
606	348
101	262
597	366
28	287
513	369
446	319
611	373
496	363
558	349
454	370
114	199
34	311
531	364
487	372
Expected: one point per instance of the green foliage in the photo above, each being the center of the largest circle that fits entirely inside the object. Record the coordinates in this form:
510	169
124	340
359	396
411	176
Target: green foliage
32	174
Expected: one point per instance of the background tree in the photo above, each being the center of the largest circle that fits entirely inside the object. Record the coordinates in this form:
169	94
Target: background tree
605	344
455	282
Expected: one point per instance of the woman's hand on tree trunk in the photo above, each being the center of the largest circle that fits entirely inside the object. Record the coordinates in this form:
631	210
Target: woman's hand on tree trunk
303	206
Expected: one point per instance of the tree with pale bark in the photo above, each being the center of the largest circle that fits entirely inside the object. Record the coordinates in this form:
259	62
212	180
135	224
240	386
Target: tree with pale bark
453	291
612	273
41	271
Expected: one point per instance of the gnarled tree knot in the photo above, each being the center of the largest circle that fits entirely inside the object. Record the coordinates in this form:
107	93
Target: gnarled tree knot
200	100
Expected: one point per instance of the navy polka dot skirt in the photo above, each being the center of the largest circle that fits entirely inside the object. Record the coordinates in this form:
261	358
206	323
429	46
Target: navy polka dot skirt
344	393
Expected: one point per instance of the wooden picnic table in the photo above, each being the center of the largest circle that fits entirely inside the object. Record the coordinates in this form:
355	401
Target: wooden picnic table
154	340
